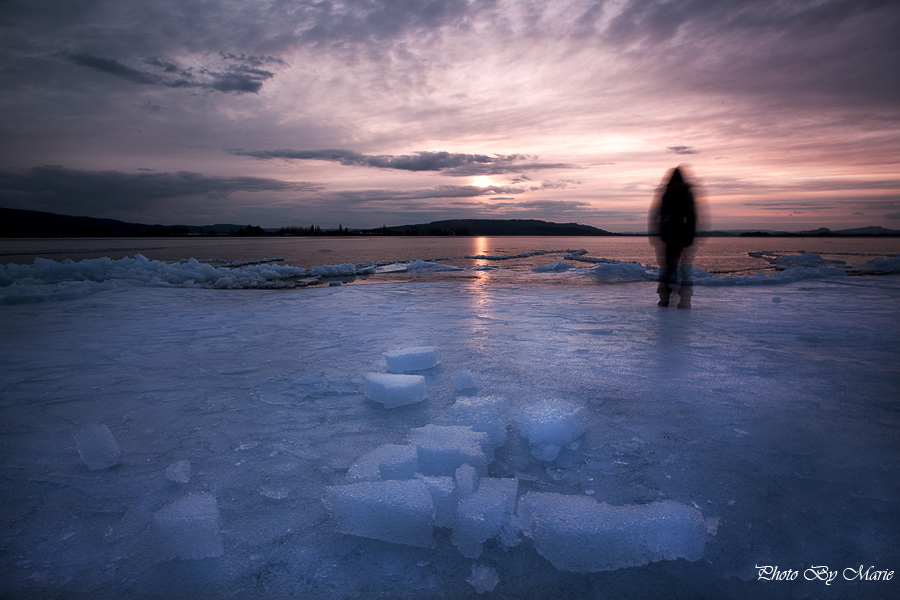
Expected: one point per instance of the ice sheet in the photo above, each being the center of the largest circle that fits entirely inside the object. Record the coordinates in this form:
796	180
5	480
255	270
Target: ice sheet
777	420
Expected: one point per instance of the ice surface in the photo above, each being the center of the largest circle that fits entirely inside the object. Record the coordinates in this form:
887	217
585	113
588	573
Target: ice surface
392	511
481	515
408	360
550	425
394	390
464	382
444	448
488	414
260	391
576	533
97	446
179	471
188	528
389	461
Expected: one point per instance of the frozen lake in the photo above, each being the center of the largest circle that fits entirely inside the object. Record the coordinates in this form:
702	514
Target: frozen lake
772	410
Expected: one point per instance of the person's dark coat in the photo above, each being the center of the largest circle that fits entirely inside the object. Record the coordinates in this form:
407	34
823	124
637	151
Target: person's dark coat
676	219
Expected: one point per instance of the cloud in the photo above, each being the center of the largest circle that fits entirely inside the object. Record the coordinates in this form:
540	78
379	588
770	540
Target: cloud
59	189
447	163
243	77
681	149
893	216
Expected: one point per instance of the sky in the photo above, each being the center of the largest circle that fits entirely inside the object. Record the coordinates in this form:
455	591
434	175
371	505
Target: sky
364	113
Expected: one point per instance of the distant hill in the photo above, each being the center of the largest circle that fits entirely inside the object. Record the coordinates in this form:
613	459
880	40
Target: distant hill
498	227
820	232
32	223
16	223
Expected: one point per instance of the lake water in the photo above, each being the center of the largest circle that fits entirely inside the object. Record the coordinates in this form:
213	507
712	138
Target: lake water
716	255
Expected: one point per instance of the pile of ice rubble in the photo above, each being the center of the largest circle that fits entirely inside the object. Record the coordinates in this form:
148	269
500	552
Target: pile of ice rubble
438	485
401	492
51	280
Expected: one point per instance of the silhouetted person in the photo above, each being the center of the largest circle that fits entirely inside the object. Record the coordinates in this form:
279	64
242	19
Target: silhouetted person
672	224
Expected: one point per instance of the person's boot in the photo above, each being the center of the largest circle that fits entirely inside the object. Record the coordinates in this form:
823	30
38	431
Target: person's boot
664	292
685	294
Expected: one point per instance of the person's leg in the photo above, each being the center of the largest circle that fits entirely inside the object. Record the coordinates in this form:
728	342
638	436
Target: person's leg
668	273
686	286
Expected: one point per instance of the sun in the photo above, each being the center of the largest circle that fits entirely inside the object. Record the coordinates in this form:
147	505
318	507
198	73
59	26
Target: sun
482	181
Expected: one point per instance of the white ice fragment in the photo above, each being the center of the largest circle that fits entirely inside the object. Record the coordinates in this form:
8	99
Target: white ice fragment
188	528
393	390
466	480
712	525
484	578
550	426
179	471
389	461
392	511
556	267
885	265
408	360
483	514
445	497
443	449
274	492
464	382
97	446
486	413
578	534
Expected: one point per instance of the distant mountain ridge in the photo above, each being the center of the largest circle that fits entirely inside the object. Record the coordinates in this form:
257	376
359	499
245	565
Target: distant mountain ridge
18	223
15	222
501	227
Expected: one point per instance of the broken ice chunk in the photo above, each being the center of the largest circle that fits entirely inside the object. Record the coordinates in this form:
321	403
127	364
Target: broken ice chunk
483	514
392	511
445	497
97	446
188	528
578	534
464	382
389	461
443	449
550	426
411	359
394	390
179	471
484	578
466	480
483	413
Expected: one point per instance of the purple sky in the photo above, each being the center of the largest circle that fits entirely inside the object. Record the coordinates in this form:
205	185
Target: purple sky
371	112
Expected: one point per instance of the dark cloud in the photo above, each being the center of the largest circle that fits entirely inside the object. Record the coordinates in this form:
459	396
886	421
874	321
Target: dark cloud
59	189
114	68
830	52
447	163
237	78
437	192
681	149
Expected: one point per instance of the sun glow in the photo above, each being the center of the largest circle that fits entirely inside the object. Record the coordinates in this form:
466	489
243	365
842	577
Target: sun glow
482	181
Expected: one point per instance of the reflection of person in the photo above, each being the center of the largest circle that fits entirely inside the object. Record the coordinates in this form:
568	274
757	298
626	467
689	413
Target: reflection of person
672	224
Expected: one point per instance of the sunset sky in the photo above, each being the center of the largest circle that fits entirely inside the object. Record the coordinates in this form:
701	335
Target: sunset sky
370	112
